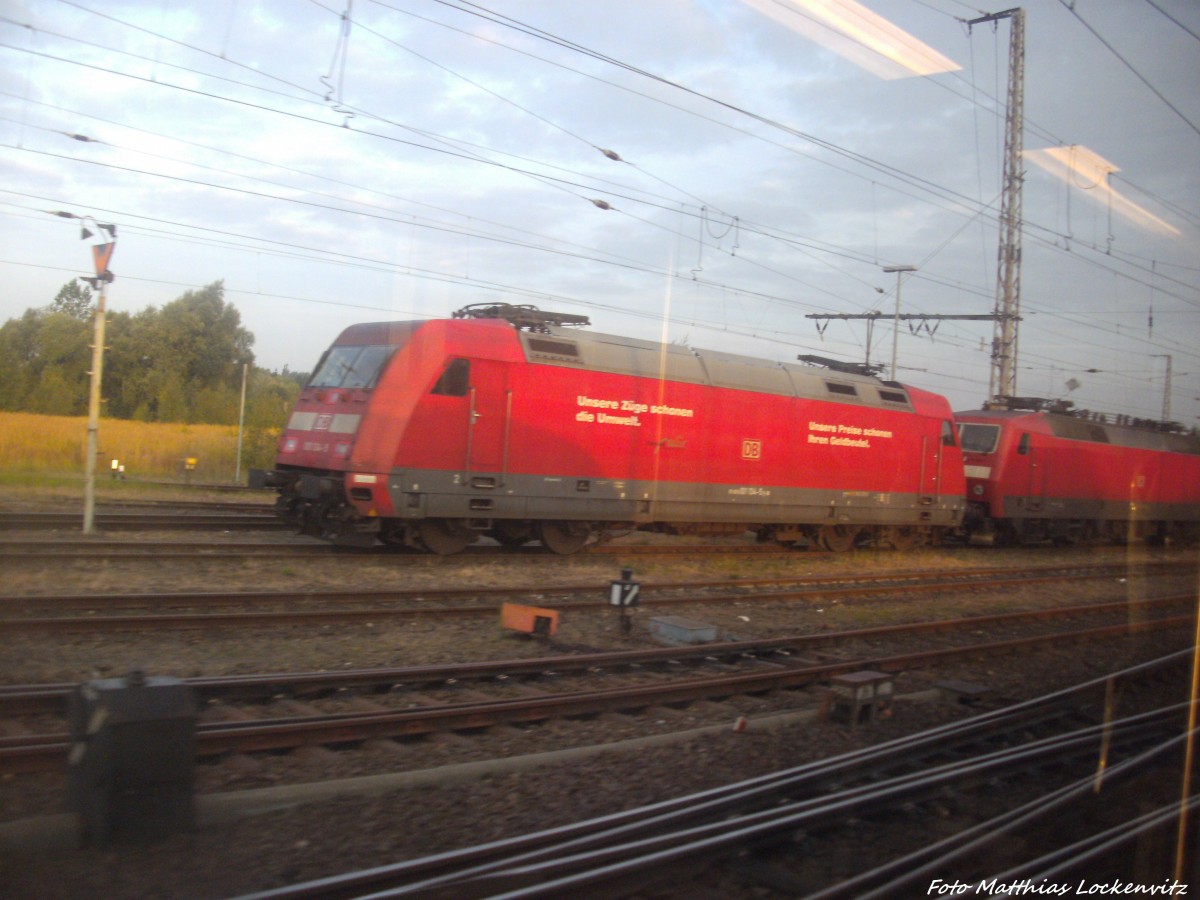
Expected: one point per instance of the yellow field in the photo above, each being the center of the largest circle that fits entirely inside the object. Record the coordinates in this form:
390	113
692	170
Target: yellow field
56	445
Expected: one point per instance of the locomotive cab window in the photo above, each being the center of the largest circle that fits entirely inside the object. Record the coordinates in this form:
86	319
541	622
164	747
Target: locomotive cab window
351	367
455	380
947	433
977	438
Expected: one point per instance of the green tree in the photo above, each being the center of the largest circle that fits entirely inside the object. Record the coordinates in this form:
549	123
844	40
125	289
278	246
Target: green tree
269	399
65	363
299	378
216	404
171	399
180	363
75	300
53	395
18	351
44	362
205	336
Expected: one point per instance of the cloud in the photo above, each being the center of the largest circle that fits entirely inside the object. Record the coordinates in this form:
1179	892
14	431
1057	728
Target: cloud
467	170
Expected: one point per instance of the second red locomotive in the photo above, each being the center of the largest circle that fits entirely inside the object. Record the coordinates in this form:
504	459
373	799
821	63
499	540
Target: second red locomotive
1038	471
506	422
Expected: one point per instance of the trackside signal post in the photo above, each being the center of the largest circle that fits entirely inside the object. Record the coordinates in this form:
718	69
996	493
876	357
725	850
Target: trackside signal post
624	594
101	254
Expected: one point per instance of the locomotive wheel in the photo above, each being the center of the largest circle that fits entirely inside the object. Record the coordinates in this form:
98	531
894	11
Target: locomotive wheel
838	538
563	538
443	537
899	537
290	508
1006	535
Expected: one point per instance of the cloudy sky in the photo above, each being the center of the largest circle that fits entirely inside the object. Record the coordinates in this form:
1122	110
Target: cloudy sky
715	171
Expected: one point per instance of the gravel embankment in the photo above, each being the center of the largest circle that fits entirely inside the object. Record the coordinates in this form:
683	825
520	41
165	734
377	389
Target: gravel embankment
228	857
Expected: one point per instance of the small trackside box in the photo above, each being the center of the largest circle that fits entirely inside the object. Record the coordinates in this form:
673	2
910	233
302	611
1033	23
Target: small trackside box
529	619
133	758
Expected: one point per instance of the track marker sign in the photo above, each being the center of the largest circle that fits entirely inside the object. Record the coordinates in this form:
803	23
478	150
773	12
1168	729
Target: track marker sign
101	254
624	594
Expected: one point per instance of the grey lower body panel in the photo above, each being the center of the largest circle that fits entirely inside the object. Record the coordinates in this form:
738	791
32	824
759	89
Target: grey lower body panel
436	494
1098	510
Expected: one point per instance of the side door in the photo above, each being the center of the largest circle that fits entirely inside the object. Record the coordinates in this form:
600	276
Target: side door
489	419
1034	459
933	462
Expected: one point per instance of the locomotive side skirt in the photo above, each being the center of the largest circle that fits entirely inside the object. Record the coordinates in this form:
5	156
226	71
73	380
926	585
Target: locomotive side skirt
1041	507
434	493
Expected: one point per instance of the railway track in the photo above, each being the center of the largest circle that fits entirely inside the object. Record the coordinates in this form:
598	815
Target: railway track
36	551
92	548
258	520
657	679
1034	764
76	547
227	517
48	698
266	504
124	612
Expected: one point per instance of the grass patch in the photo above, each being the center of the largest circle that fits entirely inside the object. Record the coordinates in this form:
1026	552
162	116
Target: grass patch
47	449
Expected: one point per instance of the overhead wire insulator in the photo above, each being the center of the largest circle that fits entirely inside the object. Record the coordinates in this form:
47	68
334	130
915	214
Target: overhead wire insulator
611	154
602	204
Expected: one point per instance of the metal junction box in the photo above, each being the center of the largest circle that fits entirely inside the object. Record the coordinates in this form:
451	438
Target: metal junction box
133	758
678	630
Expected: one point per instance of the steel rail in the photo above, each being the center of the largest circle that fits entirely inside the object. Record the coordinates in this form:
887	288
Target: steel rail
1095	848
146	521
220	487
937	858
48	697
613	866
45	752
714	801
453	866
358	726
88	549
163	550
182	506
816	588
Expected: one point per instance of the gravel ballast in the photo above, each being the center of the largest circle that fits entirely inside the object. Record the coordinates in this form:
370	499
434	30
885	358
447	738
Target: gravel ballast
230	853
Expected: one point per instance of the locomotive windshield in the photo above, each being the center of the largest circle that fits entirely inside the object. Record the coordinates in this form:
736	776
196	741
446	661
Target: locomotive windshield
978	438
351	367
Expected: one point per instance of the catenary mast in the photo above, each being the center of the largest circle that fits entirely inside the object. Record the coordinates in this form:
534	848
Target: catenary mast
1002	382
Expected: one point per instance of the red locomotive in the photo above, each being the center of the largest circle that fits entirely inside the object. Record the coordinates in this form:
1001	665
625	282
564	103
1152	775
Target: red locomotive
507	422
1038	471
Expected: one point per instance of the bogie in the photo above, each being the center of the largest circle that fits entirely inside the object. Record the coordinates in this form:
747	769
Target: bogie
445	537
564	538
839	538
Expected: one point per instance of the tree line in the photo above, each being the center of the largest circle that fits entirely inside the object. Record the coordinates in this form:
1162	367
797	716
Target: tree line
181	363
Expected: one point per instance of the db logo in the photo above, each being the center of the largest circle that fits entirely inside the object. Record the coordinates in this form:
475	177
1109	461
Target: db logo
322	423
751	449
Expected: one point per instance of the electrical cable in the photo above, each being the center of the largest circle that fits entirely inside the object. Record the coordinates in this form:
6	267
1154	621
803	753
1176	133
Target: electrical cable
823	250
1070	7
